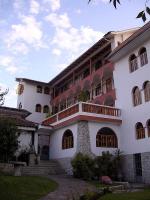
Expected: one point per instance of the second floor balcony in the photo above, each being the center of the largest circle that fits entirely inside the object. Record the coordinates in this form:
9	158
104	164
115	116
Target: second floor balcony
84	111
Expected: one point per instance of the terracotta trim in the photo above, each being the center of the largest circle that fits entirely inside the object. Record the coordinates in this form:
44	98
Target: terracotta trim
87	118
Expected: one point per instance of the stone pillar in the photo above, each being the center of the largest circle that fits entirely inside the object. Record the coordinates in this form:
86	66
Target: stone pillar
83	139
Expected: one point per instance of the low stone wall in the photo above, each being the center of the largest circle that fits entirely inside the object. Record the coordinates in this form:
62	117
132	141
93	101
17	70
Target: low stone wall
66	164
7	168
129	168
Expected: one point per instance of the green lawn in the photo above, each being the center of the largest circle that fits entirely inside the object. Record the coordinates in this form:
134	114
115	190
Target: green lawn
25	188
142	195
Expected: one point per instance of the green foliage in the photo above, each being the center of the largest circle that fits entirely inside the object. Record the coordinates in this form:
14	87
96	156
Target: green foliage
8	139
107	164
83	96
104	164
83	166
2	95
142	14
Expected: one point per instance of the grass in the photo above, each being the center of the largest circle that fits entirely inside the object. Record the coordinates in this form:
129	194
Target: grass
25	188
141	195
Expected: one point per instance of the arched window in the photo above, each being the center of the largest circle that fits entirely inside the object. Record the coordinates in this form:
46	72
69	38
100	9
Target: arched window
140	131
143	56
136	95
67	140
146	87
46	90
148	127
133	64
38	108
45	109
39	89
106	138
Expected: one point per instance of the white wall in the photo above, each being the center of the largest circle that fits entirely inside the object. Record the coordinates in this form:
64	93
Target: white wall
56	150
124	83
94	127
25	140
120	37
29	98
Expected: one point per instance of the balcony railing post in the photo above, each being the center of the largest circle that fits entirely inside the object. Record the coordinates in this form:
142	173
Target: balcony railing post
80	106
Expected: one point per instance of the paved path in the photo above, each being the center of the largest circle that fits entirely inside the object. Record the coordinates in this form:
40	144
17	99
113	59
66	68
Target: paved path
68	188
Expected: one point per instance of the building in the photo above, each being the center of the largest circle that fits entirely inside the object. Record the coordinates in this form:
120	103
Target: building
95	103
27	134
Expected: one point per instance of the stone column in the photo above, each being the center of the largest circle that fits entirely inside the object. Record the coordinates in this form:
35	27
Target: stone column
83	139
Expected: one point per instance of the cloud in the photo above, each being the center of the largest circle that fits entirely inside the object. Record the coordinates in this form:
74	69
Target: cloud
24	35
9	64
74	39
11	97
67	37
56	52
34	7
54	4
59	21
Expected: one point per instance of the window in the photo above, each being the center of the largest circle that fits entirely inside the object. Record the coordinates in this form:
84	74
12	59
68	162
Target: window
143	56
38	108
106	138
45	109
98	89
86	73
133	64
140	131
46	90
136	94
67	140
39	89
148	127
146	87
98	64
109	85
138	165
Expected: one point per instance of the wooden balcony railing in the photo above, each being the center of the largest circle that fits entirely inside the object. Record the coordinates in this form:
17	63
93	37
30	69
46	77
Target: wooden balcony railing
68	112
99	109
50	120
83	109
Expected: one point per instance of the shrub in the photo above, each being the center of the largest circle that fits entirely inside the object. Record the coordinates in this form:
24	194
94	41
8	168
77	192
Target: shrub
8	139
83	166
104	165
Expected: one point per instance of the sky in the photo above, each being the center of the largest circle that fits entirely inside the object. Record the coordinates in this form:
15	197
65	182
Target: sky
39	38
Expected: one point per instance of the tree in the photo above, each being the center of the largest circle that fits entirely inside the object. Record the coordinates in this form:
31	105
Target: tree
8	139
142	14
2	95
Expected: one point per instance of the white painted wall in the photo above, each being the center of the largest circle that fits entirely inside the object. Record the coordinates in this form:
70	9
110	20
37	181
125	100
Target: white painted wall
124	83
120	37
29	98
25	140
56	150
94	127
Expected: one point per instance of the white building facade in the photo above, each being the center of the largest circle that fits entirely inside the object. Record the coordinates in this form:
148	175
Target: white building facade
90	127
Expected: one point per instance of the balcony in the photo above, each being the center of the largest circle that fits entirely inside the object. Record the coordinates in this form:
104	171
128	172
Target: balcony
85	111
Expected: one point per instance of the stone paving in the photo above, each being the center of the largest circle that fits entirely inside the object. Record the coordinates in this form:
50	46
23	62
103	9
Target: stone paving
69	188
